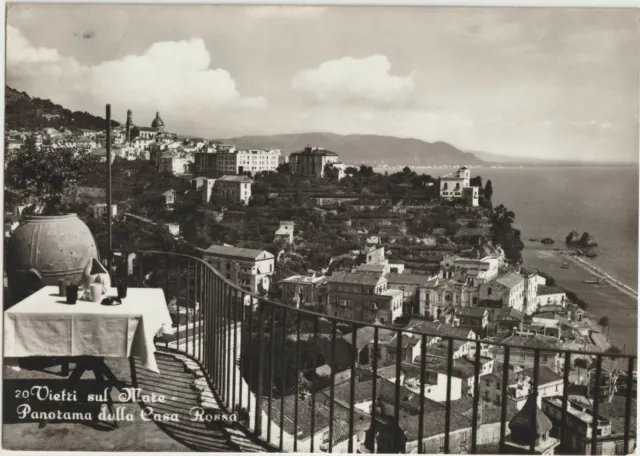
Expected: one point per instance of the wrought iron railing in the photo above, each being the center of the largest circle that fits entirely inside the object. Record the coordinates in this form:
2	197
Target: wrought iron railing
248	345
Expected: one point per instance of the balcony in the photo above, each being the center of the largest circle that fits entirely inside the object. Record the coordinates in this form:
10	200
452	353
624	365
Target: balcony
292	381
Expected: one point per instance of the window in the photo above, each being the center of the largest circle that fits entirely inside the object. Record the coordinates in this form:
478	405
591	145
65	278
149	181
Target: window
489	290
463	438
442	439
619	448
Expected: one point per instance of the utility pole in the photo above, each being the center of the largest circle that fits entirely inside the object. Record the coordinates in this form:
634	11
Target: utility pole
109	210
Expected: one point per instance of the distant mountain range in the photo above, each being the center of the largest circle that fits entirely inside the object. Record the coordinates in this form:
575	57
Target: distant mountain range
372	149
22	111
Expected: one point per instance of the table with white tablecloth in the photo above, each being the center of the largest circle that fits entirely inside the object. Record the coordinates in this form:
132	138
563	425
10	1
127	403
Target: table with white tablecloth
45	325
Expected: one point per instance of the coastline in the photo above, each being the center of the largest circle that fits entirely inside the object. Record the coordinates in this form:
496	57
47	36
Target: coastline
611	298
600	274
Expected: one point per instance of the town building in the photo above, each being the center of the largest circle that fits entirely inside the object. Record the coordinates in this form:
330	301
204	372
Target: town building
285	232
474	318
410	285
506	291
532	282
236	189
311	161
522	351
363	296
525	432
457	186
578	428
174	162
246	161
519	383
169	197
458	292
304	291
100	210
248	268
550	295
481	270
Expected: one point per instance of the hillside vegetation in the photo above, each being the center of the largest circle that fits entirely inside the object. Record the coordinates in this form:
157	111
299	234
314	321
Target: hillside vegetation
24	112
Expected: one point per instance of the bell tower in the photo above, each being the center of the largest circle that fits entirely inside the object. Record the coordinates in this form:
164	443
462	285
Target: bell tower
129	125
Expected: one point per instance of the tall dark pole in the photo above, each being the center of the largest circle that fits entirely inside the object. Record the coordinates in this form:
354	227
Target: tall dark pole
109	211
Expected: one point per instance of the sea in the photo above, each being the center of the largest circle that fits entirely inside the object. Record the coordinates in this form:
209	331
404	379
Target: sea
552	201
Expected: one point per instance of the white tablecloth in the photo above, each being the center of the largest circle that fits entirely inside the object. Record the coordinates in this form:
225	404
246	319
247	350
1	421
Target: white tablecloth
45	325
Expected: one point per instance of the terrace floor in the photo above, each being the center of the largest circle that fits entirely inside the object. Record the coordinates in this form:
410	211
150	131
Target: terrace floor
174	382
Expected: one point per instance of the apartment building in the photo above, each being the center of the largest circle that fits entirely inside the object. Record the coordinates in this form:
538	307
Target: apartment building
304	291
363	296
311	161
248	268
236	189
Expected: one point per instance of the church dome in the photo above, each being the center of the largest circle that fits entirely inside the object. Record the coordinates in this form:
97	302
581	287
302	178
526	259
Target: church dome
157	122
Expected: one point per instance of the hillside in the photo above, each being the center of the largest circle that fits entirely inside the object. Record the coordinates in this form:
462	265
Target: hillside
374	149
22	111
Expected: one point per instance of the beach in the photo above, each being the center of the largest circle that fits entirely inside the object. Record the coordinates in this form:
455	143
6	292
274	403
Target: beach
617	301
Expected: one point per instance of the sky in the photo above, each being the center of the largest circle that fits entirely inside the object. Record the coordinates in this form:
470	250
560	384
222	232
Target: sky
552	83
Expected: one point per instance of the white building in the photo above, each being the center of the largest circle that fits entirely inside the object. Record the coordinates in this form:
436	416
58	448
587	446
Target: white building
99	210
547	296
481	270
285	232
453	185
248	268
236	189
243	161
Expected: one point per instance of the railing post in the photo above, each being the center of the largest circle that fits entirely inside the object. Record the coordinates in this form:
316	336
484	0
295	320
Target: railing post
261	323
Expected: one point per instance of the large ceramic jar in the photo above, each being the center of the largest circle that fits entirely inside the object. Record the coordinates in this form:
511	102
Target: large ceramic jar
45	249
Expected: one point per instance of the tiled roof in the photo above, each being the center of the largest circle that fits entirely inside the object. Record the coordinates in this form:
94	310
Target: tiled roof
548	290
521	423
408	279
471	311
236	252
536	341
364	336
242	179
545	375
321	412
510	314
358	278
434	422
510	279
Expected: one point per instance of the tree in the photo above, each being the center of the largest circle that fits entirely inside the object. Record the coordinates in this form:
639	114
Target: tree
503	233
366	171
351	170
284	168
47	176
488	190
476	181
603	322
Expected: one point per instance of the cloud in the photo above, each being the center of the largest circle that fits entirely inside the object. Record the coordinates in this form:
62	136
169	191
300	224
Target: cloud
350	80
297	12
174	77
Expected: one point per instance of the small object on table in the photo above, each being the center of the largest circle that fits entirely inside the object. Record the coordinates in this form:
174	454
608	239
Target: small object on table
72	294
111	301
122	289
62	287
95	272
96	292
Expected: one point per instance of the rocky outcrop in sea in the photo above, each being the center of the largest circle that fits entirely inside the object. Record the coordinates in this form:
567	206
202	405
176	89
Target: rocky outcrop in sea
585	240
573	238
